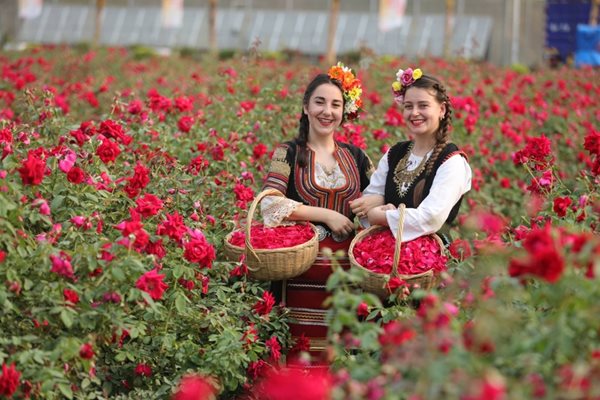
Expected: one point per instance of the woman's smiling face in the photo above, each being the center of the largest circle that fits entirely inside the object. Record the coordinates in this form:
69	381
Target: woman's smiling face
422	112
324	110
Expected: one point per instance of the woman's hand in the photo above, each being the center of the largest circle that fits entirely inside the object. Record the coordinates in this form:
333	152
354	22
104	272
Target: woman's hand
339	223
364	204
377	215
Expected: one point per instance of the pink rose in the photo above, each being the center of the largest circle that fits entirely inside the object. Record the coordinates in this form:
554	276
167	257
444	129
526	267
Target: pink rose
407	77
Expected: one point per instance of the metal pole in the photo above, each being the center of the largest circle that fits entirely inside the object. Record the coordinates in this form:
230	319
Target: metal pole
505	32
449	26
516	25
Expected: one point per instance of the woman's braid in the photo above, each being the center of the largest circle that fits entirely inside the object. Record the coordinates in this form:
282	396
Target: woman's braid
442	134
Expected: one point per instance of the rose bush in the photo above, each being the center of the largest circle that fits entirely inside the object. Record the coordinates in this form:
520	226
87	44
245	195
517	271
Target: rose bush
120	178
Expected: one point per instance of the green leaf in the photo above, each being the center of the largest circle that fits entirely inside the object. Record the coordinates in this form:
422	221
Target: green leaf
178	271
118	274
66	319
65	389
57	202
180	303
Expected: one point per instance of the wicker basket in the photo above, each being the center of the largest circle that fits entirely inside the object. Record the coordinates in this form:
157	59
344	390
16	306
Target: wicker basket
376	283
272	264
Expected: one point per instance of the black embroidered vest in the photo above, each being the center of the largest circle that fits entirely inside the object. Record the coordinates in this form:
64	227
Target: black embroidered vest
421	186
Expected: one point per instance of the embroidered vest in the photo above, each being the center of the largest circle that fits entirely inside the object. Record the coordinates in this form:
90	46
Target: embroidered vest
420	187
299	184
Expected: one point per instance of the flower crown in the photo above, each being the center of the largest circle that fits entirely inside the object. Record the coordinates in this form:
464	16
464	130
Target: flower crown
351	89
404	78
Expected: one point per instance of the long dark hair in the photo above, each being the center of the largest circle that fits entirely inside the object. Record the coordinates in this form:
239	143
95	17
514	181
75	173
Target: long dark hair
303	128
442	135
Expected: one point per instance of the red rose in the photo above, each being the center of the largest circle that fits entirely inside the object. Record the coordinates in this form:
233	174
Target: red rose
108	151
152	283
537	152
259	150
173	227
217	153
199	251
156	248
395	334
561	205
243	194
143	370
61	264
70	296
592	142
32	169
9	380
543	258
185	123
138	181
362	310
274	348
257	368
76	175
141	176
114	130
148	205
265	305
196	165
547	265
194	387
86	351
460	249
295	383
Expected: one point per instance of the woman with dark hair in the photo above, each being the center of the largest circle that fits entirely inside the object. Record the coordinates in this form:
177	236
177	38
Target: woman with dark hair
427	173
319	177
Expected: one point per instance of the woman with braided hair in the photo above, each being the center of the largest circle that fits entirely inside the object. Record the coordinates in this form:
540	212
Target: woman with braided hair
427	173
319	176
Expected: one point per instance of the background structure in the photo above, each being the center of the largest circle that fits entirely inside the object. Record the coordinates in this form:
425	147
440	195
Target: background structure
500	31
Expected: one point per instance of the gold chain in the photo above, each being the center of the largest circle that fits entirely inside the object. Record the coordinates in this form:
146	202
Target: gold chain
403	178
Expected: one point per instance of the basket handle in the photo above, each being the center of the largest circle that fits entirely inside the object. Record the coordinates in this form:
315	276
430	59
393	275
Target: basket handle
401	210
251	211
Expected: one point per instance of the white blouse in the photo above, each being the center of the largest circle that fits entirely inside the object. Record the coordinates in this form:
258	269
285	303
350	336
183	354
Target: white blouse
451	181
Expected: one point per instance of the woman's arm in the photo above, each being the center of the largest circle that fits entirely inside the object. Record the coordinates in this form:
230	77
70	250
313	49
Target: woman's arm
337	222
373	195
452	180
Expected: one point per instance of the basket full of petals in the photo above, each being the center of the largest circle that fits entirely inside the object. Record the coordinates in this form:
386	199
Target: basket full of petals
272	253
417	263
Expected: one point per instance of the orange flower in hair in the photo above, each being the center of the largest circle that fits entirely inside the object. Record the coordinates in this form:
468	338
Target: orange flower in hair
351	89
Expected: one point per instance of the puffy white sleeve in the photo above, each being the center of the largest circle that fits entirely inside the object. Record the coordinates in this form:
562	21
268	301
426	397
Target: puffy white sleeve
452	180
377	183
275	210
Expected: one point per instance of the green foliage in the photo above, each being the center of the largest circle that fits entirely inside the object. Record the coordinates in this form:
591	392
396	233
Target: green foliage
481	328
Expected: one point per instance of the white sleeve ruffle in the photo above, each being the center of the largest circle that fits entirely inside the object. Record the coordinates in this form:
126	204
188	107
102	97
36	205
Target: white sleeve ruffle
275	210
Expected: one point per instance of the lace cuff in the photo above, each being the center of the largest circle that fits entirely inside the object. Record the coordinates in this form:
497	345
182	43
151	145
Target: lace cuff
275	210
